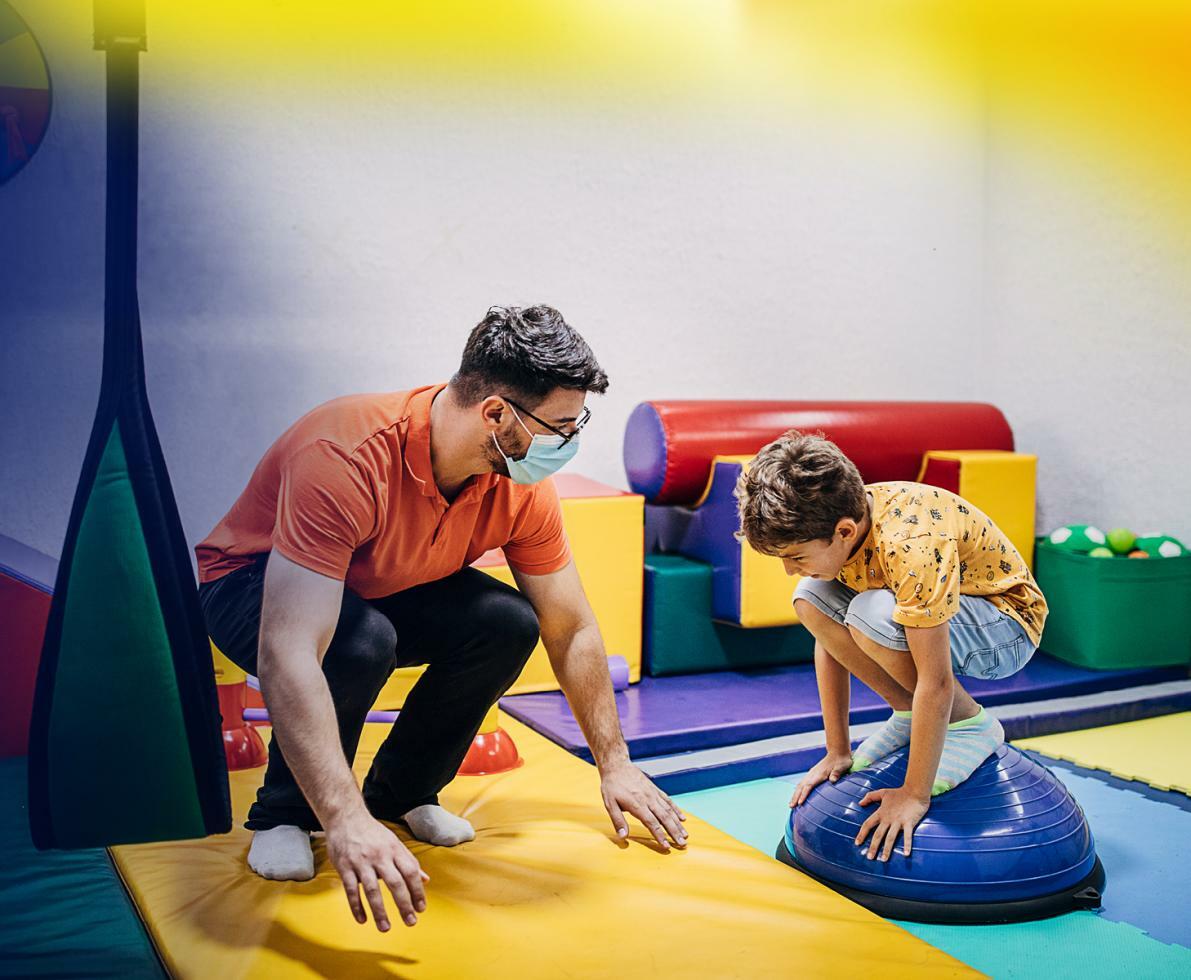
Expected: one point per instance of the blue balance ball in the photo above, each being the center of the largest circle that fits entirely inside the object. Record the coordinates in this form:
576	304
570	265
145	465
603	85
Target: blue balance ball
1008	844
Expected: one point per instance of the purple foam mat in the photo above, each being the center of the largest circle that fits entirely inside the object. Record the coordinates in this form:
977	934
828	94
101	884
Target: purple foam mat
663	715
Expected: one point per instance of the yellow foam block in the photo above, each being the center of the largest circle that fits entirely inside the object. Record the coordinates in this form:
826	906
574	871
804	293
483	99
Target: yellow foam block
1001	484
226	672
545	890
607	540
1150	751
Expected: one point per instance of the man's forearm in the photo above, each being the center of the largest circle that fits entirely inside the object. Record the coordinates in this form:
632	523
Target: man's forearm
582	671
303	718
834	697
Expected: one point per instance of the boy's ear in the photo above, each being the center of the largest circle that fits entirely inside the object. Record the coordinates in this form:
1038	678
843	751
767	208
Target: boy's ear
845	527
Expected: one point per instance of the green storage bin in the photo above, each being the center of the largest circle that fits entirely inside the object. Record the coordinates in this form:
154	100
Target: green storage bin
680	636
1109	613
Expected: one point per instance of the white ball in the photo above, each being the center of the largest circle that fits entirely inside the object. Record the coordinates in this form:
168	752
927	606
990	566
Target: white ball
1060	535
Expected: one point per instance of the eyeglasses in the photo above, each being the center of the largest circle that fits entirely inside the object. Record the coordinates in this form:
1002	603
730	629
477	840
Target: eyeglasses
581	421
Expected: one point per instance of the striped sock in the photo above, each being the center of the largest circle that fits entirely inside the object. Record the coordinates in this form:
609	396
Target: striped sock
968	743
888	738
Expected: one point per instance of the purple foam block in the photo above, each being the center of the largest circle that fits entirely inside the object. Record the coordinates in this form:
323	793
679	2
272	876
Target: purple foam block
663	715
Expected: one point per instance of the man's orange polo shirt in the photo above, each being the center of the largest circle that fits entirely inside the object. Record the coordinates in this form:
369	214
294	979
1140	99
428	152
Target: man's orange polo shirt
348	491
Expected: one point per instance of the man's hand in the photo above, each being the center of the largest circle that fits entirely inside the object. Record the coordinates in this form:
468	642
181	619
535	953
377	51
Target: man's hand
899	812
627	788
829	768
366	853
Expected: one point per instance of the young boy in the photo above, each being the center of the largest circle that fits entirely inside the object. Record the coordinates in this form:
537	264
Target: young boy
905	586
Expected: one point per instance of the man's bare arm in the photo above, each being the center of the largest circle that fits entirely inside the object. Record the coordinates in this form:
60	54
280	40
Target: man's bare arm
299	614
298	618
576	649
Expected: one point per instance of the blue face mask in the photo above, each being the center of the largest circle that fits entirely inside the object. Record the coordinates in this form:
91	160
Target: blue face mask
546	456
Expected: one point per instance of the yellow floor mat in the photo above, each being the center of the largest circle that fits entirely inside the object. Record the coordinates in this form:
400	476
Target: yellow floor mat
1152	751
545	890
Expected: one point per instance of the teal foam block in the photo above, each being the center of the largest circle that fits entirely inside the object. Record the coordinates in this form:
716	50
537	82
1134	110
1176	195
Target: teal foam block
681	638
62	913
1080	946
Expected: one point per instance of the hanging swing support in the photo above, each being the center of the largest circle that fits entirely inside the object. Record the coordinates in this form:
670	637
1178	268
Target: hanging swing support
124	741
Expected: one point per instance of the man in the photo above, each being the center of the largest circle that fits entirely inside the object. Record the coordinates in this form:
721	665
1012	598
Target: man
348	555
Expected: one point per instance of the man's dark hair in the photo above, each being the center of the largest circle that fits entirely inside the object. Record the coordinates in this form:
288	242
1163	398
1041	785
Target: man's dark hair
525	354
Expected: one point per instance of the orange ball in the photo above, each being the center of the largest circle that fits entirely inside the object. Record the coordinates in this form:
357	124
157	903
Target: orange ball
1138	553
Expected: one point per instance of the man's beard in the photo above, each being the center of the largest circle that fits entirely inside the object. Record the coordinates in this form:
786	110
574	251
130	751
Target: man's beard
495	459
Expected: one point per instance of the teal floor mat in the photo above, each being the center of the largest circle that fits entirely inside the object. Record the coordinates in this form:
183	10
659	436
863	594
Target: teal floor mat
62	913
1149	890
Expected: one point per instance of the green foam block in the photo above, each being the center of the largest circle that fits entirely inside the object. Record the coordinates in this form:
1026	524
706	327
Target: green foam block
681	637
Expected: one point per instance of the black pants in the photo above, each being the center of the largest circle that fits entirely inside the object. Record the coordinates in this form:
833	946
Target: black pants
473	632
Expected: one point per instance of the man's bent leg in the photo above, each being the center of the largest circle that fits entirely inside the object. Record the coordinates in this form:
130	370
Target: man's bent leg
474	633
358	661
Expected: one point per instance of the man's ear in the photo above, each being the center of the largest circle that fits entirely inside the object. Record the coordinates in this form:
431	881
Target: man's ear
493	411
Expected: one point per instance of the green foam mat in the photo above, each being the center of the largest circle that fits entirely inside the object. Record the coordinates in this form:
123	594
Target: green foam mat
62	913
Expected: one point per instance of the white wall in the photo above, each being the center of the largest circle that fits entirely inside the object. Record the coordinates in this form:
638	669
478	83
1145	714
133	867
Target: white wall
346	239
1088	338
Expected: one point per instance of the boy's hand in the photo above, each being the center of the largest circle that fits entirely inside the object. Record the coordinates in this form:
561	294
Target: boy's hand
829	768
899	812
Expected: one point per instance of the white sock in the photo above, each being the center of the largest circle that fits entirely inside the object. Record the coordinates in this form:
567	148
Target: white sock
434	825
282	854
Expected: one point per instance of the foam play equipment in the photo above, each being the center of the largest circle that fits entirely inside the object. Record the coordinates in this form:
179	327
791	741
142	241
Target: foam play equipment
684	714
1008	845
604	527
125	649
1002	484
492	750
687	456
26	585
243	746
680	636
1150	750
545	890
669	445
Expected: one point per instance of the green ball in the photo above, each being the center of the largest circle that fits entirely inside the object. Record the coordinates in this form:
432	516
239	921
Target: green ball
1101	553
1122	540
1078	537
1162	546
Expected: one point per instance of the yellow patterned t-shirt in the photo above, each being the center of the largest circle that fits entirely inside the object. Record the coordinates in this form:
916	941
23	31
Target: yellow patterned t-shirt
929	546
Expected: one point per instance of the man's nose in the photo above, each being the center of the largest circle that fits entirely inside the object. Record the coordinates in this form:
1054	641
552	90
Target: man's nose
791	568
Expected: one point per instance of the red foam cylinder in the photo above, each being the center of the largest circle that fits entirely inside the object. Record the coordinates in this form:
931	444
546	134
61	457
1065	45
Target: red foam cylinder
669	445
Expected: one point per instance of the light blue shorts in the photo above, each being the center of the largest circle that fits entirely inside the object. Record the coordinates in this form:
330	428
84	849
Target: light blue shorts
985	642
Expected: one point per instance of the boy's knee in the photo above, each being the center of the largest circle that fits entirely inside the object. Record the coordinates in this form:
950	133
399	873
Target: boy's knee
807	611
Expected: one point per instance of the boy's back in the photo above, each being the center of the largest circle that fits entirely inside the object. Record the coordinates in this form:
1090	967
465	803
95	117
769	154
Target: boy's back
928	546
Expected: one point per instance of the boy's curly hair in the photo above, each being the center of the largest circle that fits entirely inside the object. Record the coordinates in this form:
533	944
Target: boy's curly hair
797	489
